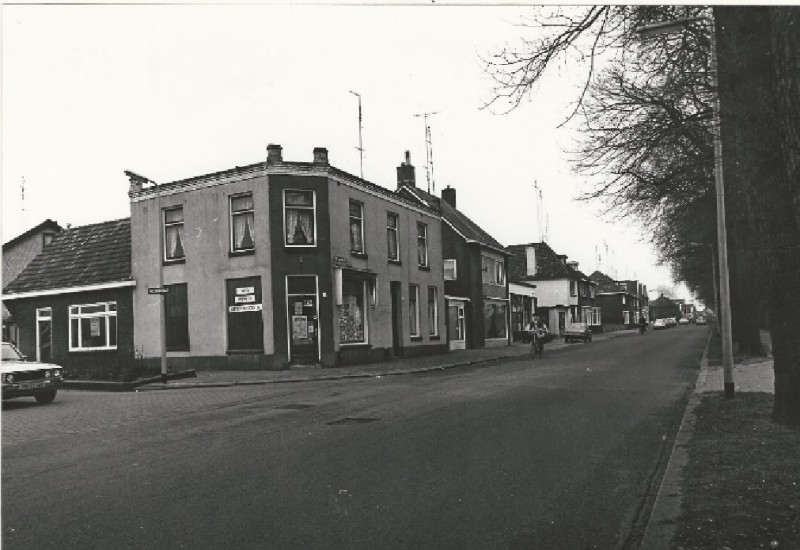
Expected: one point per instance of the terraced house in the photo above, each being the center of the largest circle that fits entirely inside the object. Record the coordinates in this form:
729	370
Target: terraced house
279	263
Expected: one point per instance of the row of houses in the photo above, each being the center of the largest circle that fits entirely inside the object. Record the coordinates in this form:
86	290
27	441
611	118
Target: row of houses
283	262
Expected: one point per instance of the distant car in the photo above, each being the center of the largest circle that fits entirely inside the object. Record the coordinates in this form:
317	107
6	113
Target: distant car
683	321
701	321
23	378
578	331
670	322
659	324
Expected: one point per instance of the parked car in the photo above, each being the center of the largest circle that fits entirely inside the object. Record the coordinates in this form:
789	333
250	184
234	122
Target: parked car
578	331
23	378
683	321
670	322
701	321
659	324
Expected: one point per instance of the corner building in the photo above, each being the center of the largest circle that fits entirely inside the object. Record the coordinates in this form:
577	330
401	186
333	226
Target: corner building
280	263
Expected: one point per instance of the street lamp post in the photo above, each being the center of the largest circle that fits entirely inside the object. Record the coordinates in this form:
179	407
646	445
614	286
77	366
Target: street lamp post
722	237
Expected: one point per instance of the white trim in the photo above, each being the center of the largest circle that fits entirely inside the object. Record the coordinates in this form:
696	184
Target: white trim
458	298
417	334
435	310
455	269
40	317
67	290
79	316
497	299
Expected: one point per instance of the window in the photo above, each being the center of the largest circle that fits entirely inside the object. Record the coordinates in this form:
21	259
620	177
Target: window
450	270
596	316
93	327
494	317
176	306
433	311
392	226
422	244
624	300
245	322
413	310
499	273
573	288
46	238
591	292
626	317
299	218
173	234
356	227
242	223
352	313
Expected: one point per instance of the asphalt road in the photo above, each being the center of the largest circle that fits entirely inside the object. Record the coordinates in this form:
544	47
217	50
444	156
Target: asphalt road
559	453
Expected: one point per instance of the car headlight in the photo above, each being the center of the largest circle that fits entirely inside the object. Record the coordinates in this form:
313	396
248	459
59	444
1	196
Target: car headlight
47	373
9	378
57	373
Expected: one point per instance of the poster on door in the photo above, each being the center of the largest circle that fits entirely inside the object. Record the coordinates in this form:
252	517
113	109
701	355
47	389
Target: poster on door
299	328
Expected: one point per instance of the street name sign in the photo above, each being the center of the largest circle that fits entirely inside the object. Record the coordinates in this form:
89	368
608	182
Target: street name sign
158	290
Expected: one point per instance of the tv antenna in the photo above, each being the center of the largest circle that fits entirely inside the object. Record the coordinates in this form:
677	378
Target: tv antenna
22	192
537	194
360	147
429	150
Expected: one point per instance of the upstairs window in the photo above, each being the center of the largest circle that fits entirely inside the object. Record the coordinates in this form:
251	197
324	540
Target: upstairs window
356	227
573	288
422	244
499	273
242	223
392	242
299	218
173	234
450	270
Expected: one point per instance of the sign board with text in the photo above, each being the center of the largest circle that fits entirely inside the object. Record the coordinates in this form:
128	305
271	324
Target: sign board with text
158	290
243	308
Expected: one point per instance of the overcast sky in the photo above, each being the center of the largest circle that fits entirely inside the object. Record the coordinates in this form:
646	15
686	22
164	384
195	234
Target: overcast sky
178	91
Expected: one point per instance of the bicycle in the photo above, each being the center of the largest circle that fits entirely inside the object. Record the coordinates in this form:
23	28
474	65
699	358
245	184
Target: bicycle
537	345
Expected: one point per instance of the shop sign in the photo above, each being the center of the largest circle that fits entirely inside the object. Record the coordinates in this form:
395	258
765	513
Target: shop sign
245	299
245	290
244	308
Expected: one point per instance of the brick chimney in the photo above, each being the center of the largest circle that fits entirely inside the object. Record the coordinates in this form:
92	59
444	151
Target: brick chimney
406	173
321	156
449	196
274	154
573	265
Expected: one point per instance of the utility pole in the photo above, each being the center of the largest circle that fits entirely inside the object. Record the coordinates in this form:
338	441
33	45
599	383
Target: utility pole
360	147
429	150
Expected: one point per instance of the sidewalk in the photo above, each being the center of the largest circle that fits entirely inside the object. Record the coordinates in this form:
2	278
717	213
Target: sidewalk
444	361
747	377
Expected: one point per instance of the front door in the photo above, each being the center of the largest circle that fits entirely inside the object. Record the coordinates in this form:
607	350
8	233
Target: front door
303	328
456	328
44	335
562	322
397	311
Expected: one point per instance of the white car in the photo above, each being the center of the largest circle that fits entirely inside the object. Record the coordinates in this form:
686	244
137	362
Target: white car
23	378
659	324
683	321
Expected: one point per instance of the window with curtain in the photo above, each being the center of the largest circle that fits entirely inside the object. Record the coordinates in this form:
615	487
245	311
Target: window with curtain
299	213
242	223
173	234
392	226
433	311
413	310
352	314
422	244
356	227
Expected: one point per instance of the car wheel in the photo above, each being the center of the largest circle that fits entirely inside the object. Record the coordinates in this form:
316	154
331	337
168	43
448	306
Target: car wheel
45	397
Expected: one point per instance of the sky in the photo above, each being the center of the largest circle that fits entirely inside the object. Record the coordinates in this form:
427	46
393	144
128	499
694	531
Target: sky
175	91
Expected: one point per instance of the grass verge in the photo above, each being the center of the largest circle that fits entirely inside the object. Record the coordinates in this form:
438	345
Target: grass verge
741	485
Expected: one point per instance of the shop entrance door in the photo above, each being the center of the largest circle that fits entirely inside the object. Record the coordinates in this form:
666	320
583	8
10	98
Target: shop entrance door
303	328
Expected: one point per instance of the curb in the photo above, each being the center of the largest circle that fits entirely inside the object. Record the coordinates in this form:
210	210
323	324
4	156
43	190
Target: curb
662	524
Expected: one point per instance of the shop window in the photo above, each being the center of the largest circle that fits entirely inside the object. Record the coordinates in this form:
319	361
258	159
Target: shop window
245	323
422	244
433	311
392	242
173	234
299	218
242	237
494	317
352	313
356	227
93	327
413	310
176	306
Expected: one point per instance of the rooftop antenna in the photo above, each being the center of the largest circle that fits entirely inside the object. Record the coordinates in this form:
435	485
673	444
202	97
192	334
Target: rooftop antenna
538	191
22	191
546	227
360	147
429	150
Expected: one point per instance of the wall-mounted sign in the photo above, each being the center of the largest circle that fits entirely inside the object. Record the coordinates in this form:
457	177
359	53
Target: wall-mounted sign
339	261
249	307
245	290
95	326
245	299
158	290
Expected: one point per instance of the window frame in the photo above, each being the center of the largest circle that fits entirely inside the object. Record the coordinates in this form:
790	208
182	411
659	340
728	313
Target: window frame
423	239
166	225
413	322
231	214
360	219
365	302
396	230
313	209
573	288
455	269
433	324
79	316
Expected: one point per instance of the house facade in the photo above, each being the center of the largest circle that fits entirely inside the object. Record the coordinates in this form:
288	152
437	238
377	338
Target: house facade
474	270
619	305
280	263
663	307
73	303
17	254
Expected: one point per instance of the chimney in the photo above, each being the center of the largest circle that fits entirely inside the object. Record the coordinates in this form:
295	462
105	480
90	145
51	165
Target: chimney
321	156
562	258
136	182
449	196
573	265
274	154
405	173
